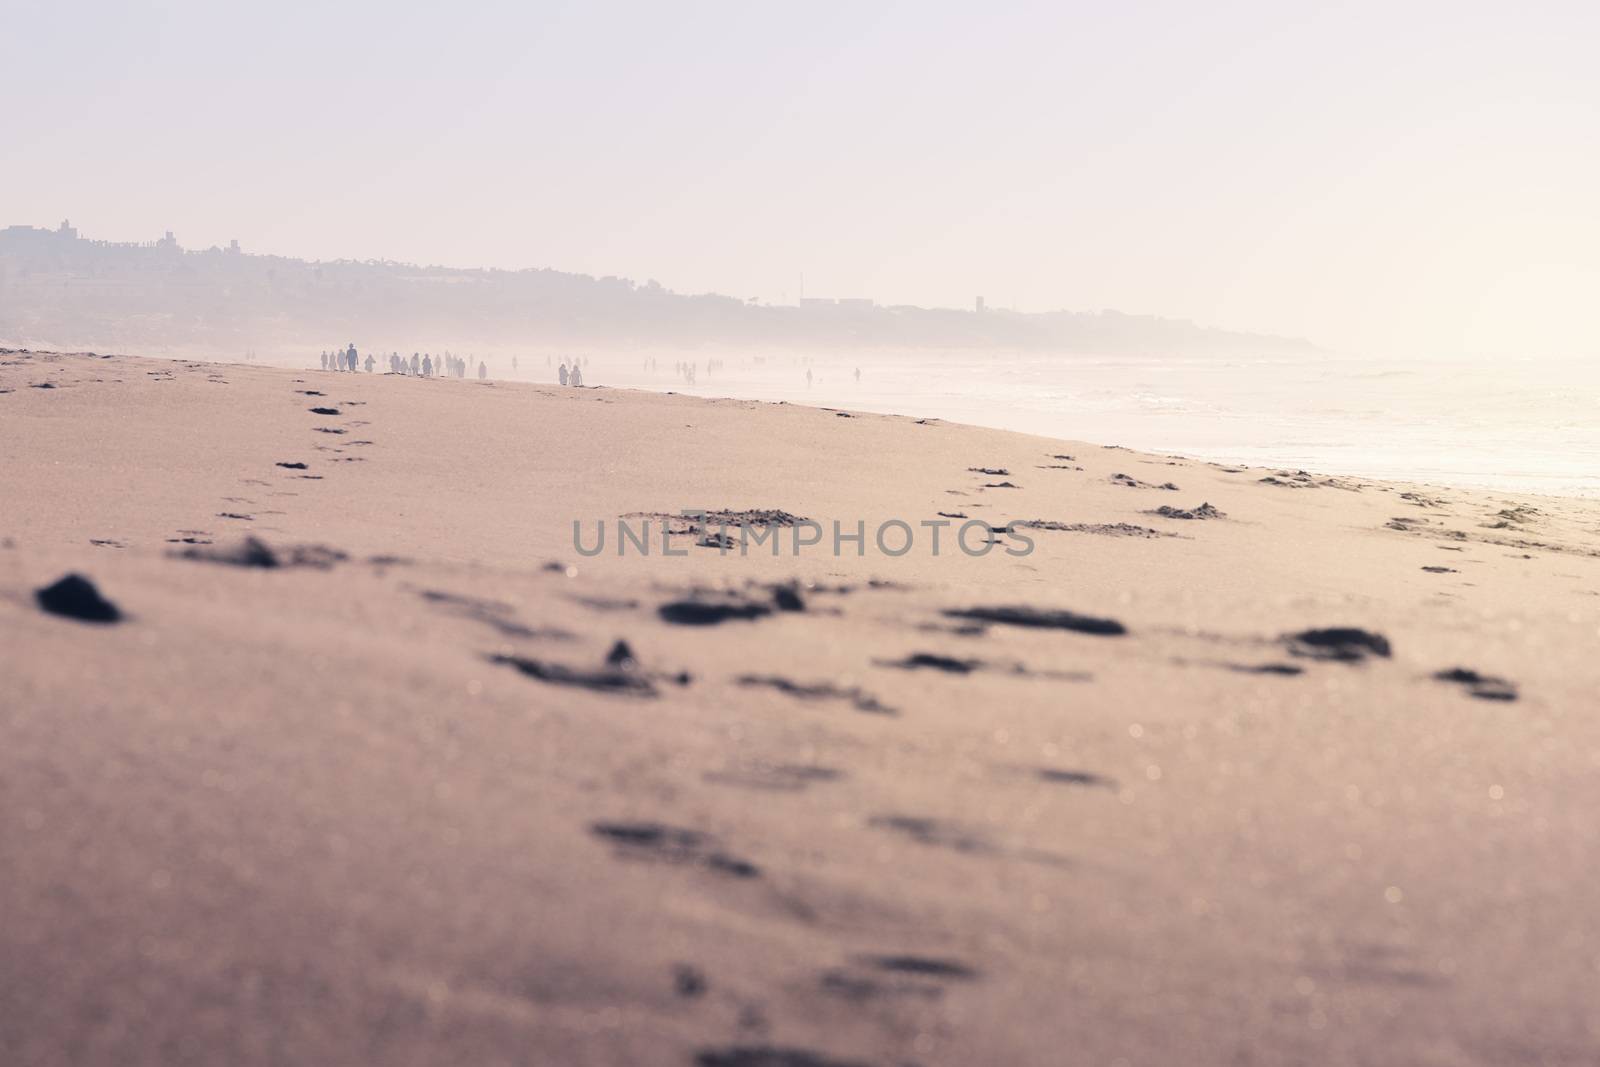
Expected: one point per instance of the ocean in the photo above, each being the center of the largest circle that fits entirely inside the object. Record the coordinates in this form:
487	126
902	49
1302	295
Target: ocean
1529	426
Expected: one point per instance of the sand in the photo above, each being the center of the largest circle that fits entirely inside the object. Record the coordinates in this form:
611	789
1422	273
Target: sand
387	802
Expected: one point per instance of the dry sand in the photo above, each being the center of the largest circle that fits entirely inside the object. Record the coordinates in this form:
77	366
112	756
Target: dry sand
386	804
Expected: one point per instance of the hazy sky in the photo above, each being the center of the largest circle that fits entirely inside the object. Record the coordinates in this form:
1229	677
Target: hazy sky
1386	177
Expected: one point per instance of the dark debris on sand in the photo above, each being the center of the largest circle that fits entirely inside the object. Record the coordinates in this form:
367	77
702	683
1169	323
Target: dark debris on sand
1341	644
254	552
859	699
1104	529
1482	686
1130	482
704	613
75	597
1040	618
325	411
770	1056
672	844
619	681
925	966
934	661
1204	511
1084	778
698	610
1287	670
932	832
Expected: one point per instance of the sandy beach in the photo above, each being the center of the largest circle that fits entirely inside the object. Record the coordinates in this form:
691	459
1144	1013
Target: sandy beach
373	766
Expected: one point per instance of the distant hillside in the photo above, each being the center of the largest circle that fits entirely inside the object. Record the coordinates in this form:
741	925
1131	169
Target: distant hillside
58	289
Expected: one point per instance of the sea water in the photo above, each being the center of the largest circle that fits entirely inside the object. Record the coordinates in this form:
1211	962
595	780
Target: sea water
1527	425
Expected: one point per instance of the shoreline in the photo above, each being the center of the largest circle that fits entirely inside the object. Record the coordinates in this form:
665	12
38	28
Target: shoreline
1483	482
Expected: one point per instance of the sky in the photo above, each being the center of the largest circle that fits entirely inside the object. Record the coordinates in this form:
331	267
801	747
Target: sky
1399	178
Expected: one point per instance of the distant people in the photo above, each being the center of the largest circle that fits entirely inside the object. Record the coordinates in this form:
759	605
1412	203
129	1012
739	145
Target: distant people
427	367
370	362
483	370
324	361
350	356
577	375
808	377
563	374
416	364
858	375
513	364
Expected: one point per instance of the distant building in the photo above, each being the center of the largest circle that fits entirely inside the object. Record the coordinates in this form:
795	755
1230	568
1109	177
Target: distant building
66	229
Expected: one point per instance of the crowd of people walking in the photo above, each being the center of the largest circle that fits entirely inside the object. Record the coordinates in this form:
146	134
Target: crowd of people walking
445	365
420	365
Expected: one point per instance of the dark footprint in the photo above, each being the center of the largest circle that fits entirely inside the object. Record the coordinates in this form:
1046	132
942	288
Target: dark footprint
1041	618
993	472
1340	644
106	542
292	466
1441	570
701	613
769	1056
613	680
1482	686
933	661
329	429
309	392
1000	485
75	597
1051	774
232	515
672	844
325	411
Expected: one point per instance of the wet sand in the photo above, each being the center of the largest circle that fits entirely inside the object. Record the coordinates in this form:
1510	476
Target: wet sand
1238	765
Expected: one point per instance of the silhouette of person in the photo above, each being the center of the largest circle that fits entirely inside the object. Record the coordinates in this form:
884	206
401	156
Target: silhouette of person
370	362
577	375
324	361
808	377
858	375
416	364
513	364
483	370
350	356
563	374
427	367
